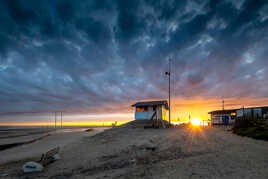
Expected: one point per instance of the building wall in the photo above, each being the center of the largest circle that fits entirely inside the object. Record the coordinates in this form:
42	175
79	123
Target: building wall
250	113
164	113
159	112
219	119
141	115
147	115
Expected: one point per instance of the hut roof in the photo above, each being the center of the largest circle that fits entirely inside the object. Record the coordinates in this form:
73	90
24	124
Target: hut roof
226	111
151	103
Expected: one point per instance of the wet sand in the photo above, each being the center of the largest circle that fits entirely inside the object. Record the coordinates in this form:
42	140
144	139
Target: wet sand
127	152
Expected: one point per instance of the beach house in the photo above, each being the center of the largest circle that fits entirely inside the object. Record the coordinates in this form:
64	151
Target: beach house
151	110
229	116
221	117
253	112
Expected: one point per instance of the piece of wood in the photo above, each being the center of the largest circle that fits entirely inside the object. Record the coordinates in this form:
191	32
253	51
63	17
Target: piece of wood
163	124
47	157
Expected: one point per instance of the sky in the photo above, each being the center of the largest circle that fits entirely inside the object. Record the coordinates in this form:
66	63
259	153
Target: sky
99	57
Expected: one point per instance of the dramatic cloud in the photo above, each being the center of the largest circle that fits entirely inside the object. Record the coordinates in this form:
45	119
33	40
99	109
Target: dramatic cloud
100	56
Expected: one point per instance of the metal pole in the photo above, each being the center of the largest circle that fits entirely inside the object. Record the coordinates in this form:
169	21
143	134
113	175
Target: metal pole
223	104
169	92
61	119
223	115
189	121
243	112
168	73
55	120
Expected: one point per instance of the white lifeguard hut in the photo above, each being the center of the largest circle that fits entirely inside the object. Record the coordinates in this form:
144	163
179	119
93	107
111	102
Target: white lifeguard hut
151	110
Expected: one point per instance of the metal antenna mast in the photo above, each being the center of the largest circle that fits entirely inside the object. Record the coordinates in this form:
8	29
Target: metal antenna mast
168	73
169	92
55	120
222	104
61	119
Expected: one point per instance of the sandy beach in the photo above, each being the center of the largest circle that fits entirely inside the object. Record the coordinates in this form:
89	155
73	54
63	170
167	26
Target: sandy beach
42	142
127	152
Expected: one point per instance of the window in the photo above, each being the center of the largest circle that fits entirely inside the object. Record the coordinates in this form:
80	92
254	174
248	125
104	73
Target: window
139	109
154	108
145	109
142	109
233	114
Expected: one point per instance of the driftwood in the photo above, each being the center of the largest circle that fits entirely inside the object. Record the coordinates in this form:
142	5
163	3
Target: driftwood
48	157
38	166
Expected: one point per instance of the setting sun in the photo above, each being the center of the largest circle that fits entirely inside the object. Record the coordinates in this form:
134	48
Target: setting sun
196	121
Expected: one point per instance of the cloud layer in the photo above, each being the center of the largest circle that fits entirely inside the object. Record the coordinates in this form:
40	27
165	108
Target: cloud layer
88	55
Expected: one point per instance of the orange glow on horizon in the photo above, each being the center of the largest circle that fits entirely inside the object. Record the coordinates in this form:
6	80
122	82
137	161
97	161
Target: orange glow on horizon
183	110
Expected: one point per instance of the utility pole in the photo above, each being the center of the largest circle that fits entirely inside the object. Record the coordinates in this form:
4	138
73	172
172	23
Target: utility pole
189	118
222	104
169	92
55	120
168	73
61	119
223	116
243	112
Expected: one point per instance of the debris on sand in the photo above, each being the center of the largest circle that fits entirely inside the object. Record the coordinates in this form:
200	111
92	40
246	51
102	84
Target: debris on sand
30	167
3	174
89	130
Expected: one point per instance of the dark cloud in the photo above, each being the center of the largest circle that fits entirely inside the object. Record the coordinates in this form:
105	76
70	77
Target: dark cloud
89	55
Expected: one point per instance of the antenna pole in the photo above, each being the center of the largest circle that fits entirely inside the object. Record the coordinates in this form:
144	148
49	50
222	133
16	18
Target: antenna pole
55	120
168	74
61	119
243	112
169	93
222	104
189	118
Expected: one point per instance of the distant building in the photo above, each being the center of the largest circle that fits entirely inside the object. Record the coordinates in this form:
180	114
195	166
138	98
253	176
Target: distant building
148	110
253	113
228	116
220	117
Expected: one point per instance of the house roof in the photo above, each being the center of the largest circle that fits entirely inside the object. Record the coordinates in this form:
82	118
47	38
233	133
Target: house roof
259	107
151	103
226	111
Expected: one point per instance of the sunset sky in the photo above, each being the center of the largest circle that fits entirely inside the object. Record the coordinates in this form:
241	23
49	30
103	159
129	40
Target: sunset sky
95	58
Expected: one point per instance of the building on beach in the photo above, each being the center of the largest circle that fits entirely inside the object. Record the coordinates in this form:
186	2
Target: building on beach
220	117
253	113
150	110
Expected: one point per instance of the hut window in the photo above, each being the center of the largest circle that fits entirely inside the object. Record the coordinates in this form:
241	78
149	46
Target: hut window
142	109
139	109
145	109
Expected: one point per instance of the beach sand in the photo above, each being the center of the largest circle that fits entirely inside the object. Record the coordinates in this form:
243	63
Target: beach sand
126	152
42	143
